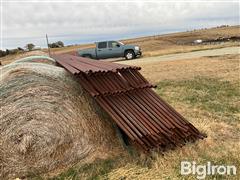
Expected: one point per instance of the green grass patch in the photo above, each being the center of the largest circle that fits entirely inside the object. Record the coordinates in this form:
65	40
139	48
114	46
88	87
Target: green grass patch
88	171
92	171
100	168
209	94
214	96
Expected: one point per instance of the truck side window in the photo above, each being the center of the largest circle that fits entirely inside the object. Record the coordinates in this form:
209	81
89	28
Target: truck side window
112	44
102	45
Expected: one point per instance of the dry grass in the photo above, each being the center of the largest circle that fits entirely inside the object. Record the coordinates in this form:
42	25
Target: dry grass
220	124
210	100
171	43
68	49
185	48
225	67
206	92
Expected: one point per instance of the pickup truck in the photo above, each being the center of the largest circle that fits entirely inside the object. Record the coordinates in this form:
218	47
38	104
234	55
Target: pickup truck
111	49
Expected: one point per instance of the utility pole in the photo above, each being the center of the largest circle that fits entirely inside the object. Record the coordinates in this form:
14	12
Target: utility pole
48	46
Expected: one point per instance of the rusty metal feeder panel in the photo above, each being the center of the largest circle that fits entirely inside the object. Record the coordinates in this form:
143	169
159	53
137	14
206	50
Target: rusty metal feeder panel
129	99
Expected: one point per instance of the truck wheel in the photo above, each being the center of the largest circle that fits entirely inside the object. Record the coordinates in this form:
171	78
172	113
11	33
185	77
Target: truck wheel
129	54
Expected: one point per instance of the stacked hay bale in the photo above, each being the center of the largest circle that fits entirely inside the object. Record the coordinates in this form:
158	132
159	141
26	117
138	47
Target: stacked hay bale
48	122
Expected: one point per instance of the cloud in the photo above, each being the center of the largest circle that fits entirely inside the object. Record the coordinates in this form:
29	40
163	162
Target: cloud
75	22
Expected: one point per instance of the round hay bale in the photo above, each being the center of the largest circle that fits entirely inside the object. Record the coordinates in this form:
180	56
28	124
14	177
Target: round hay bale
48	122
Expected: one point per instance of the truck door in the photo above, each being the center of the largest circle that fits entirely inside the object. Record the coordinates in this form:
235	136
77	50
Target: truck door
102	50
115	49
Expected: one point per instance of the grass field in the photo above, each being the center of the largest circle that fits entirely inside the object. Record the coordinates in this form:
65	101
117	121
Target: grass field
206	92
171	43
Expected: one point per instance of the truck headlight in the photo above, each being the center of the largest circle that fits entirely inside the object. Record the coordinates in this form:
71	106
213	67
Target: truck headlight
137	48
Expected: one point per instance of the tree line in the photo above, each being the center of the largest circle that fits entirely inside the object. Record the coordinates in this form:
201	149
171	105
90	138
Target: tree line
28	47
57	44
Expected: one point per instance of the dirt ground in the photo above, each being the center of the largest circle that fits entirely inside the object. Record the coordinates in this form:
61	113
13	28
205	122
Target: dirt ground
155	70
186	55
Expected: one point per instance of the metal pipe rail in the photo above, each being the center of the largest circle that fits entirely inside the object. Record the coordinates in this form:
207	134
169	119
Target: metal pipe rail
129	99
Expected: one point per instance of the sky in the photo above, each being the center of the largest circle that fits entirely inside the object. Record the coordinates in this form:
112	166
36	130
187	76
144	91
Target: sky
75	22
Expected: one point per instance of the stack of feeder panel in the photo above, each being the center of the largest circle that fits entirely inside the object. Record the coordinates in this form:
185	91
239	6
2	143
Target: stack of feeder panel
129	99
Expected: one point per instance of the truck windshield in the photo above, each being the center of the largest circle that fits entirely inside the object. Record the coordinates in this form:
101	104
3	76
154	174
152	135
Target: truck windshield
120	43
